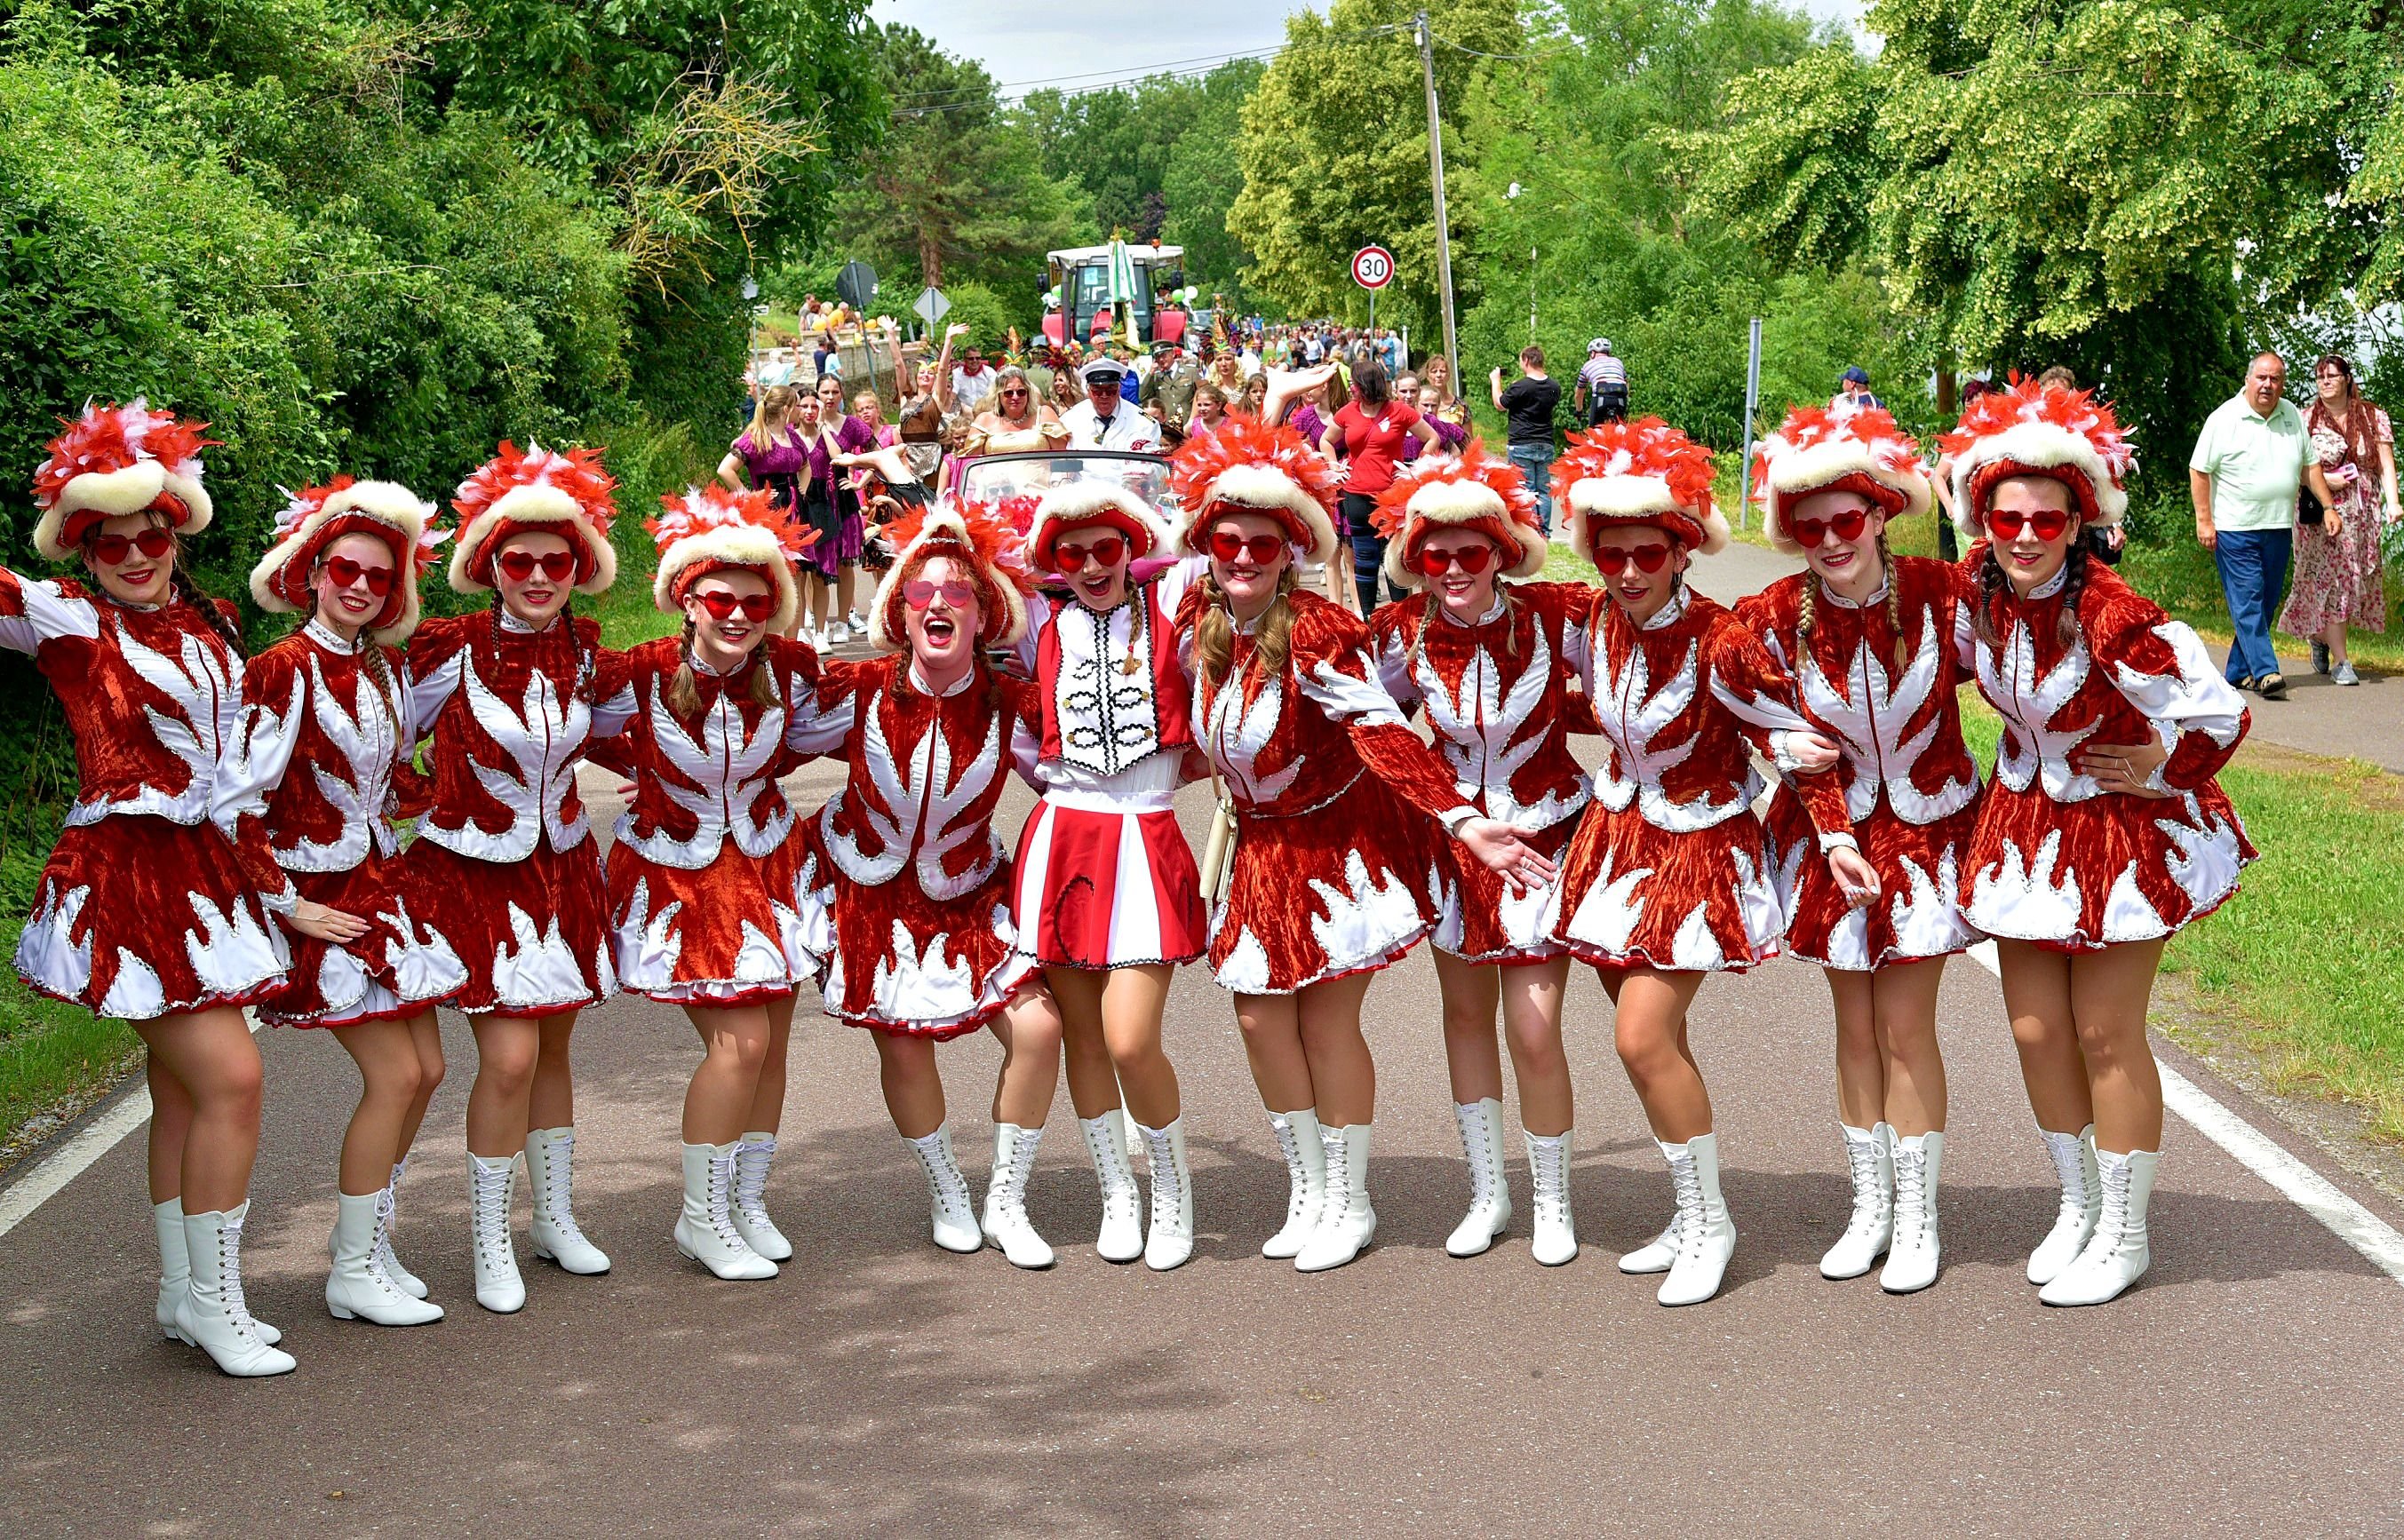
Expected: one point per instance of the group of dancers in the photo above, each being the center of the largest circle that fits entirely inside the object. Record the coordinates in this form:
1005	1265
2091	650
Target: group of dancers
237	836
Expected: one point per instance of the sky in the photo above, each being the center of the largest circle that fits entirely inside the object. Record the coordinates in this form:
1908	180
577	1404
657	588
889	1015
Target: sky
1022	45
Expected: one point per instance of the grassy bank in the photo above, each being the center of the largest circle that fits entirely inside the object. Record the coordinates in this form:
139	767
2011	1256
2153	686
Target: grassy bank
54	1059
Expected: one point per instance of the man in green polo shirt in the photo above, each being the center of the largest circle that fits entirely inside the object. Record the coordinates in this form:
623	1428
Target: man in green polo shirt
2249	462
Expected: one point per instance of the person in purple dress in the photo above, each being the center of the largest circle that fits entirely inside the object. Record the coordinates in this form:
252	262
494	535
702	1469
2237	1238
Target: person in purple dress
847	436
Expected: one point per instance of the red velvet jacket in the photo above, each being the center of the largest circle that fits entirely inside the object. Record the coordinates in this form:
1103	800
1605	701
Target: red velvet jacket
321	749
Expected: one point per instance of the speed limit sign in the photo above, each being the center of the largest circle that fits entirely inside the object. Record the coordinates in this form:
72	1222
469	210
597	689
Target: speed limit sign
1372	266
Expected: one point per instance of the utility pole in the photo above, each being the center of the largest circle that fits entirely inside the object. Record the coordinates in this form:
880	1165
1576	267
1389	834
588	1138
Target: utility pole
1435	171
1752	408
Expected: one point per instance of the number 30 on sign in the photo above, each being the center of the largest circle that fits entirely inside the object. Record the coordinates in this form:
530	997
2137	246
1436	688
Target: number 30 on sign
1372	266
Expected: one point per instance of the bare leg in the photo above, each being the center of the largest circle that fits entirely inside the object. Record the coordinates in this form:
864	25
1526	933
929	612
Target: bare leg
1272	1029
388	1086
1133	1000
506	1049
2108	992
1651	1035
1092	1080
1472	995
1532	1023
171	1128
1913	1065
2037	993
1029	1030
734	1043
846	590
2335	639
426	1035
1341	1071
212	1059
914	1092
768	1100
552	1103
1861	1074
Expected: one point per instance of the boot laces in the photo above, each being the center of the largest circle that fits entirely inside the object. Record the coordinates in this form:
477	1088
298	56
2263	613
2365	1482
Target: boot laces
1910	1196
229	1277
1337	1196
2068	1166
558	1182
1167	1182
1688	1182
1474	1140
1867	1187
1009	1194
492	1211
1297	1177
1119	1193
1544	1169
2115	1220
381	1260
751	1180
946	1183
722	1219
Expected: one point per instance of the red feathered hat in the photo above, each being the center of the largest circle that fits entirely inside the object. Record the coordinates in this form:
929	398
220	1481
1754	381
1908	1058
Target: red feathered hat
1076	504
2032	429
316	517
979	537
535	489
1644	472
117	460
1251	467
1476	491
1843	448
710	529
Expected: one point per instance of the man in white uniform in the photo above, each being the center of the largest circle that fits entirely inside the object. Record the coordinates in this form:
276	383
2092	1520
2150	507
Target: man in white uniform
1106	420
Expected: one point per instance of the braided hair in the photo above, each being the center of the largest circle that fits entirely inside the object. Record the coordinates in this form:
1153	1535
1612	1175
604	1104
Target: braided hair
1992	585
1890	655
180	582
1214	631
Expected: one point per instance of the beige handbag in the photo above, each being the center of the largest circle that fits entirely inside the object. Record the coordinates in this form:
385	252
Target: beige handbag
1219	850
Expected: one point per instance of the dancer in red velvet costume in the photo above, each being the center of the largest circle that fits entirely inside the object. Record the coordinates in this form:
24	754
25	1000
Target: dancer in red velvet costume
1341	813
1868	637
1668	878
146	909
324	742
1492	665
2104	830
914	880
505	866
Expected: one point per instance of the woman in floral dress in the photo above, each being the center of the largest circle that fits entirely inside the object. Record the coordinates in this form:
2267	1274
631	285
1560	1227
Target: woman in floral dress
2339	582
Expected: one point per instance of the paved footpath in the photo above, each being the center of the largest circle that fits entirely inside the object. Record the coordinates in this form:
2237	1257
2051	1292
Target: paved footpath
882	1386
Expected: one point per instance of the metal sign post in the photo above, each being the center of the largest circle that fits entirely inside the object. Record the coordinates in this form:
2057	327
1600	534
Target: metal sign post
1436	174
1752	406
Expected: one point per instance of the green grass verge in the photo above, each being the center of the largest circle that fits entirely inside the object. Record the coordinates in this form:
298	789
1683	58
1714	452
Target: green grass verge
53	1057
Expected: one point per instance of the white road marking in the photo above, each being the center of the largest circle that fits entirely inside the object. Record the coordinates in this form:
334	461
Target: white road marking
71	1159
2301	1185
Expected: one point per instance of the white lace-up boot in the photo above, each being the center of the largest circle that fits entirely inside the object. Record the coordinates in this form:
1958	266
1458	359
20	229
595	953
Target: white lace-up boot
358	1289
2082	1203
1912	1264
1658	1254
1706	1235
1345	1219
1548	1161
1005	1197
1171	1238
491	1185
551	1173
1489	1190
409	1283
1869	1158
953	1215
2119	1251
211	1315
1306	1174
705	1226
752	1157
1121	1235
176	1274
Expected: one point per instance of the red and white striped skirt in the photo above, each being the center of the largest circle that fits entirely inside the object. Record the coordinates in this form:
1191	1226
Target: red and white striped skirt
1101	889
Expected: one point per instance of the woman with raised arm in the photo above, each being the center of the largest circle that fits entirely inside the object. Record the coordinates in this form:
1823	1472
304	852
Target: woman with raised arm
1341	813
505	866
1669	877
2104	830
1868	637
1491	662
702	871
324	741
147	910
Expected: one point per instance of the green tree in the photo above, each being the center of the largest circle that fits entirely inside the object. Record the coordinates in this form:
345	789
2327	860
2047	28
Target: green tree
1204	177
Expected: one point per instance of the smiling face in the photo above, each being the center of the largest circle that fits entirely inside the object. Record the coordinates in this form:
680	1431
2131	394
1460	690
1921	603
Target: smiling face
353	582
1631	548
1094	559
1846	527
942	617
2024	503
544	588
1247	566
729	589
1445	560
113	552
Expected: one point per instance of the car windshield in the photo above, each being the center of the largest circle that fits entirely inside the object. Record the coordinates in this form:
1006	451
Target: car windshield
992	478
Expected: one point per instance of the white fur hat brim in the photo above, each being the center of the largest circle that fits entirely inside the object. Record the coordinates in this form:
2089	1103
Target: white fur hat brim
532	507
1798	473
1455	504
113	493
387	505
748	547
1598	501
943	525
2040	446
1080	503
1264	489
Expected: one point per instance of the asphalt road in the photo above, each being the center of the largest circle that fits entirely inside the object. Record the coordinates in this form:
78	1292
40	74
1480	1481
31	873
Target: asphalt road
882	1386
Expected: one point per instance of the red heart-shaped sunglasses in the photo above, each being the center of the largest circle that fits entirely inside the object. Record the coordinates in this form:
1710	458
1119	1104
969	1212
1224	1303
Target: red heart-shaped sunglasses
1104	553
2049	523
720	604
110	550
1226	545
1472	560
1611	563
345	572
519	565
1848	525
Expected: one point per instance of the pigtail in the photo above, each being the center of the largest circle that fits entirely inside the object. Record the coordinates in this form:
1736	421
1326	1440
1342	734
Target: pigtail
1810	622
379	672
180	582
1991	583
683	694
2074	586
1893	604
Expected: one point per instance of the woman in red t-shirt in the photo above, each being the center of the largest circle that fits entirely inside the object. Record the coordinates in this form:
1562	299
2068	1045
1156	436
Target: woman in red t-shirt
1367	436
